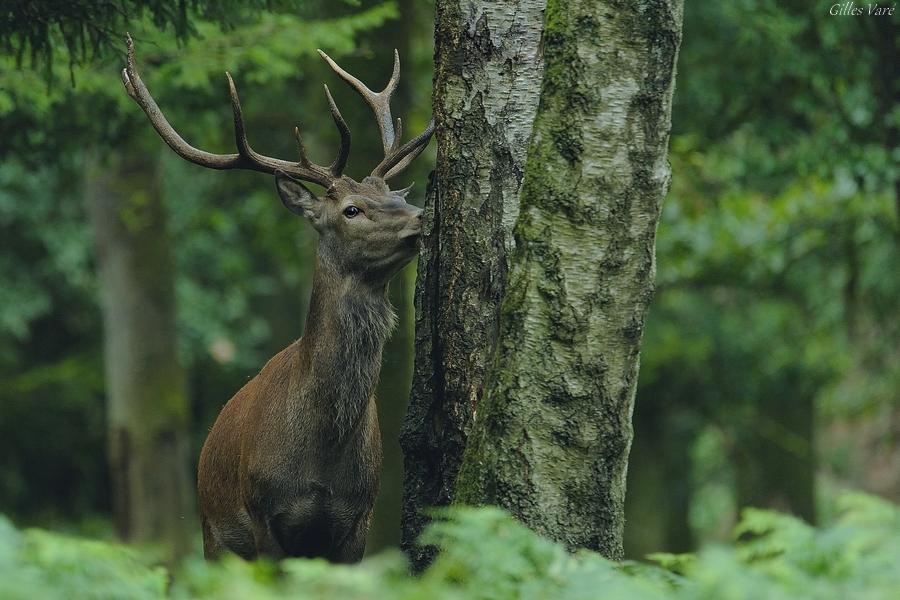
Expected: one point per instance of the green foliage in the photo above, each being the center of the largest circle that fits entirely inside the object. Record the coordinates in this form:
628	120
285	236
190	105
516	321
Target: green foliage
781	227
51	415
86	29
488	555
187	80
791	91
777	260
39	564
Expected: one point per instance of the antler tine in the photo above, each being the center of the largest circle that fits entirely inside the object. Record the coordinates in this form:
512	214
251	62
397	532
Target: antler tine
246	158
251	156
380	102
304	169
337	167
301	148
398	134
395	162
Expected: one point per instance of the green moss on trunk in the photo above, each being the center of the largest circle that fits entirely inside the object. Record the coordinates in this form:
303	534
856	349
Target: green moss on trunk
487	84
551	435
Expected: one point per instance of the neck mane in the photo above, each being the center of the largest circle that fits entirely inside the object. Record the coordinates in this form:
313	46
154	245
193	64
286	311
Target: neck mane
347	326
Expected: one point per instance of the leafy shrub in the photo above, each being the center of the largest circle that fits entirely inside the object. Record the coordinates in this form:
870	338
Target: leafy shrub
40	564
487	554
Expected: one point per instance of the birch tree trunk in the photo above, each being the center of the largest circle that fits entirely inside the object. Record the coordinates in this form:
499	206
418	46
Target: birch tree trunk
552	433
486	89
147	407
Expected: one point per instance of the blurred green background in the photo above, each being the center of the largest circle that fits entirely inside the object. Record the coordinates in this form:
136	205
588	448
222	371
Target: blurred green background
770	369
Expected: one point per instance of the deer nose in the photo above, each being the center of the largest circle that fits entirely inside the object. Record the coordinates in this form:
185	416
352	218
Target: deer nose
413	227
416	219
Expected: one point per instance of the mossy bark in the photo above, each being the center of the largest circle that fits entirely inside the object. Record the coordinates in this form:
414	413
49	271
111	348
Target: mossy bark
147	405
551	434
486	90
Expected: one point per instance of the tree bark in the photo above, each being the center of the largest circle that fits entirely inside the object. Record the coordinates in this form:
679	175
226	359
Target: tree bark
552	433
486	89
147	406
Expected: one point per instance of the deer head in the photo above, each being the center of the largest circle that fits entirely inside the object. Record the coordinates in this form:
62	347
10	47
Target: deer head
365	228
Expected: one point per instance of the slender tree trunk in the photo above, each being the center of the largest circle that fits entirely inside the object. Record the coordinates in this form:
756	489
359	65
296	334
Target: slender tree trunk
887	94
775	461
486	88
657	507
147	407
552	433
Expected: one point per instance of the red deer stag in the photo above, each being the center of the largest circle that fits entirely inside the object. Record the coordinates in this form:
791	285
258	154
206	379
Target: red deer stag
292	465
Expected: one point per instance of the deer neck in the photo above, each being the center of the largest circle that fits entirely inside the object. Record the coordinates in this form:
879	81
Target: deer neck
346	328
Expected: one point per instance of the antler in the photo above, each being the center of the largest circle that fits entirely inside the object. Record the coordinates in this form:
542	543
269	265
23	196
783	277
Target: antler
246	158
396	157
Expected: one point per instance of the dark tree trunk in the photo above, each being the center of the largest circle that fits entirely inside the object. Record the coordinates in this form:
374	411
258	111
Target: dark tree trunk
486	88
887	93
147	407
552	433
774	461
657	507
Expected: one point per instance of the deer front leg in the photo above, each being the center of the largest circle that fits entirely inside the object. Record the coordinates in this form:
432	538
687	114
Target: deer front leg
235	534
353	546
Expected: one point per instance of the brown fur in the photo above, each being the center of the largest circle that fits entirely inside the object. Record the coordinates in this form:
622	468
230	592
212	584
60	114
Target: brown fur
291	466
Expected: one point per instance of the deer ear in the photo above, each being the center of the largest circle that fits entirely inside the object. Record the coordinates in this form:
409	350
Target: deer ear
297	198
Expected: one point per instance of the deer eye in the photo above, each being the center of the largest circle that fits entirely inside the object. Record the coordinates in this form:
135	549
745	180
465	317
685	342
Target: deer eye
351	211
